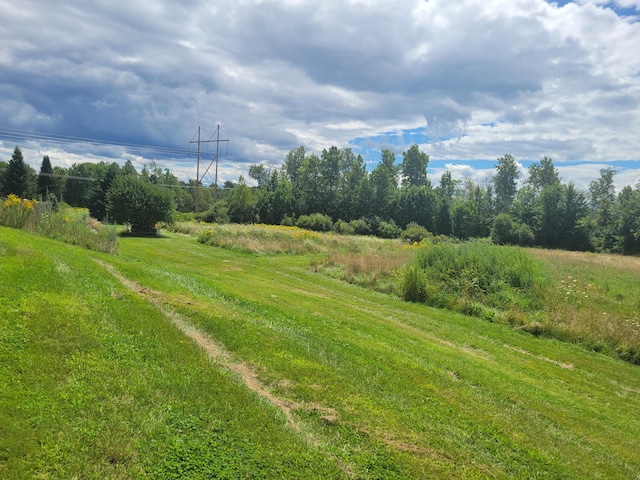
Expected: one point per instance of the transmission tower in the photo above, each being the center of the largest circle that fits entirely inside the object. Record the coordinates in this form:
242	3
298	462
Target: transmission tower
199	179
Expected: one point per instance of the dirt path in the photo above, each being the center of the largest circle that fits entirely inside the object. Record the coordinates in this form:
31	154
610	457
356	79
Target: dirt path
215	350
222	357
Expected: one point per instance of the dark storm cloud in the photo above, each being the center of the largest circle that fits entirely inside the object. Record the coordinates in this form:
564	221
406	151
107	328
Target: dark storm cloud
481	78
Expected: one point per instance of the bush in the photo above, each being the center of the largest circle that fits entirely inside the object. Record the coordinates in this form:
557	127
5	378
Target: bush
134	201
506	231
414	233
218	213
503	230
288	221
318	222
388	229
360	226
343	228
414	285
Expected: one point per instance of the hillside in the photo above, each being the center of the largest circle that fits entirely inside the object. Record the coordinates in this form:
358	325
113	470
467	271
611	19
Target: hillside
175	359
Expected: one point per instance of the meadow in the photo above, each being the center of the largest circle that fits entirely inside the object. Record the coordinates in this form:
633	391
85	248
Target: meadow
179	359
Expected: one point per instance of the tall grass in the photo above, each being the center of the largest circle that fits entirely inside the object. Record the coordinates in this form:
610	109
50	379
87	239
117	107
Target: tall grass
276	239
594	299
476	278
73	226
59	222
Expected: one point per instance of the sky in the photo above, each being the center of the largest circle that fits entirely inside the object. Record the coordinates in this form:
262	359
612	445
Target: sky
468	81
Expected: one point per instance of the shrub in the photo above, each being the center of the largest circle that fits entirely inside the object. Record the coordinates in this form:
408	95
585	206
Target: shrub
218	213
388	229
414	285
360	226
414	233
288	221
343	228
503	229
506	231
318	222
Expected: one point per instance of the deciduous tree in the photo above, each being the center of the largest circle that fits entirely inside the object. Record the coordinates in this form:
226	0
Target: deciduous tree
131	200
414	167
505	182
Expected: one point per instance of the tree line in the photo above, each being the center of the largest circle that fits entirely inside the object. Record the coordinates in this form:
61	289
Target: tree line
334	190
541	211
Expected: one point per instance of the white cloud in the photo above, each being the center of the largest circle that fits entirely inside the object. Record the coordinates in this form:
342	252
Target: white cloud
483	78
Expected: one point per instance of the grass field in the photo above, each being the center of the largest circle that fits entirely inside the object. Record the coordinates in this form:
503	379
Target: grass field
175	359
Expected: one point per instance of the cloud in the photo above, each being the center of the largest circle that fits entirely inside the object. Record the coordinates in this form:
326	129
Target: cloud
480	78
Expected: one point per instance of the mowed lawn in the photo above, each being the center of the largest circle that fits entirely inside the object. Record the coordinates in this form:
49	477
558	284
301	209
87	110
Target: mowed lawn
295	375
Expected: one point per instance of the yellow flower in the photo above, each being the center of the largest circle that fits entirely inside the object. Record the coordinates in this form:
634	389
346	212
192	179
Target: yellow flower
11	200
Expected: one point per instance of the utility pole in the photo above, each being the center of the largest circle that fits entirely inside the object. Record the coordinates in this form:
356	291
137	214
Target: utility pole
198	178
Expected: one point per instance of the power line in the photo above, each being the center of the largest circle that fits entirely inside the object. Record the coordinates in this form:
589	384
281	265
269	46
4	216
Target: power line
198	142
16	134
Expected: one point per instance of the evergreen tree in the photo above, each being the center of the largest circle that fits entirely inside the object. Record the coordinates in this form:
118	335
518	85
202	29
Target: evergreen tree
18	177
45	179
3	171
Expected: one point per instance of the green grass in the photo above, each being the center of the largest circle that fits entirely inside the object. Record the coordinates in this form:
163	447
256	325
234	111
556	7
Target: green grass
101	384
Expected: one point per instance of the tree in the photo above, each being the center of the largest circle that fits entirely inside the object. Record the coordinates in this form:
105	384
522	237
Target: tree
575	235
98	206
383	184
447	188
354	171
415	204
3	171
414	167
629	230
260	174
18	177
310	186
506	231
83	186
131	200
543	174
240	203
505	182
331	164
293	164
45	179
526	207
602	196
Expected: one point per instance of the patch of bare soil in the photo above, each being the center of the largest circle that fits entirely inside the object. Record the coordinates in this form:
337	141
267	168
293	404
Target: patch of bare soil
567	366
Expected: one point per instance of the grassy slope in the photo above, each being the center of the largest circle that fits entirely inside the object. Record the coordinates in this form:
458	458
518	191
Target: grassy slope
384	389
